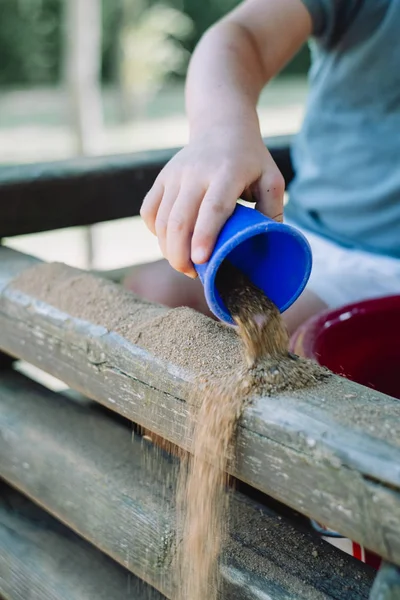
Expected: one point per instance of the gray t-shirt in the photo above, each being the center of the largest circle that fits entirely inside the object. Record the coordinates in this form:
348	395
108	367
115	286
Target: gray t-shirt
347	155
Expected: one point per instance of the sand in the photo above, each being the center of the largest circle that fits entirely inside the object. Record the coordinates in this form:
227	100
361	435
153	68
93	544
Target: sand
181	336
203	500
229	372
199	345
259	322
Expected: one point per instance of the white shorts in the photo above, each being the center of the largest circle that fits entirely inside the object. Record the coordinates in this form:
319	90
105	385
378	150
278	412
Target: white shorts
342	276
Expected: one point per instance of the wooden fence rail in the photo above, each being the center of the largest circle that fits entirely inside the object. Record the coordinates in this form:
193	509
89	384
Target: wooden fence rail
41	559
84	467
331	452
83	191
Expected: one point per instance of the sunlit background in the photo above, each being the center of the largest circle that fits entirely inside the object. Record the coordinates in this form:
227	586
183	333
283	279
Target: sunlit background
98	77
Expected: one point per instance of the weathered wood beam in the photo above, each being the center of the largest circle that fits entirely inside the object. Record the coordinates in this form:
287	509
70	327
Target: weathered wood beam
84	191
41	559
331	452
117	492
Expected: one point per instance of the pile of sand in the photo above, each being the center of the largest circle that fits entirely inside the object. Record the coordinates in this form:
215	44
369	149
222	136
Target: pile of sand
230	370
202	491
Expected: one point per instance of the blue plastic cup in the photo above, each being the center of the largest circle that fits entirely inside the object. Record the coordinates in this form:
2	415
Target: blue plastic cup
274	256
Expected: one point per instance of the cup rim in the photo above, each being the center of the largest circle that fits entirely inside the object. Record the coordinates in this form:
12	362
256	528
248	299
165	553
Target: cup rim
225	249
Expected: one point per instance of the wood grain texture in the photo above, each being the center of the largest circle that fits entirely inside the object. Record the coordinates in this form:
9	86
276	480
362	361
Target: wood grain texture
84	191
309	449
41	559
117	492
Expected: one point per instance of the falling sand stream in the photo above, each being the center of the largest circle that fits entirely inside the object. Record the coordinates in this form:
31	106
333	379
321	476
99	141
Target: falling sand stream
203	497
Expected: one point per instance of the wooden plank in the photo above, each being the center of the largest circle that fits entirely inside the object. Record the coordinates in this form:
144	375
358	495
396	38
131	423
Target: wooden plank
117	492
46	196
12	264
41	559
331	452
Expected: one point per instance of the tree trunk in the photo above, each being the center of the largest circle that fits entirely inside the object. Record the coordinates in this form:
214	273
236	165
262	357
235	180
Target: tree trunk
82	72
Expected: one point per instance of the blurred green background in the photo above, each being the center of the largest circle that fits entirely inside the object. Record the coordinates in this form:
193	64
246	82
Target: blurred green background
31	37
101	77
87	77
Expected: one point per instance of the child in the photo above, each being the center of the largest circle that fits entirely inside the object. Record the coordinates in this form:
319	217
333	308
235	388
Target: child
346	192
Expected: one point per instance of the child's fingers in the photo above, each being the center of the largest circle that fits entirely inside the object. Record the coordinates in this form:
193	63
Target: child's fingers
151	204
170	195
268	192
217	206
181	223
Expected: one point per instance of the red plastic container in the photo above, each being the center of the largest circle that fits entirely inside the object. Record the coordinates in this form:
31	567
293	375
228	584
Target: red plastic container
360	342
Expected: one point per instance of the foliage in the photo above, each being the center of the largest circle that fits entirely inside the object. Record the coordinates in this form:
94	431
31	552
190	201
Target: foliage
31	35
150	47
30	39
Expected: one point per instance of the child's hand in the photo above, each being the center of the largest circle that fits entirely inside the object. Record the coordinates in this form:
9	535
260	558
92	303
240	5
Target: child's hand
196	192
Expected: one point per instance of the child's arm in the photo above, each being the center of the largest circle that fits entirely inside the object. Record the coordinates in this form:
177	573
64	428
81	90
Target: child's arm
197	191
